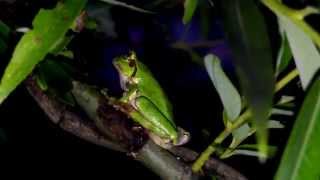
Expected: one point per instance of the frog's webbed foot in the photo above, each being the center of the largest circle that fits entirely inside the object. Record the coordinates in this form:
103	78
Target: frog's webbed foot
183	137
162	142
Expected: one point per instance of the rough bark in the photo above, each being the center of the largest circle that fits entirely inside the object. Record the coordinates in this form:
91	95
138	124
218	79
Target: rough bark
105	126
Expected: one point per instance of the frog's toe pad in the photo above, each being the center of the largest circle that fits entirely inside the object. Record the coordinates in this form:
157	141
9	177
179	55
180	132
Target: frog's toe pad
183	137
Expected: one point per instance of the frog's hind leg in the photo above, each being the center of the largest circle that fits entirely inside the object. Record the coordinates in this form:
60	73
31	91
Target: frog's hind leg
161	125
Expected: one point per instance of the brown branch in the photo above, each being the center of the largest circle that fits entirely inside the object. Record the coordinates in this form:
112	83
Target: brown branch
165	164
126	138
214	166
68	120
108	127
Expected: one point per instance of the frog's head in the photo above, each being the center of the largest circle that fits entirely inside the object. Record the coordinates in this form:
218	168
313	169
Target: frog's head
126	67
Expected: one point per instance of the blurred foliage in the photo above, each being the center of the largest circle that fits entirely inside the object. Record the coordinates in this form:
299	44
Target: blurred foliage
245	43
248	45
4	35
49	29
189	9
301	157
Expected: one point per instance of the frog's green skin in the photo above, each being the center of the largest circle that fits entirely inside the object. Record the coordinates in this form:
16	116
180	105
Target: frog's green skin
152	108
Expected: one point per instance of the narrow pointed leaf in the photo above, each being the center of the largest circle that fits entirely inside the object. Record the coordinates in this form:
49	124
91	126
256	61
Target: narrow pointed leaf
240	135
49	26
229	95
4	30
251	152
306	58
285	100
284	112
189	9
284	55
301	158
248	38
273	124
4	35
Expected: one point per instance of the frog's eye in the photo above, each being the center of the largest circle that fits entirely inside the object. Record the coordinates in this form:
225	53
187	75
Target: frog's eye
132	62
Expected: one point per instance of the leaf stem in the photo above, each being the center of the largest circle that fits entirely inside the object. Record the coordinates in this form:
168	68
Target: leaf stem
204	156
242	119
296	16
288	78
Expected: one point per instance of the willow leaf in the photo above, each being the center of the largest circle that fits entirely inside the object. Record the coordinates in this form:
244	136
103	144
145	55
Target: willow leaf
4	35
284	55
246	32
229	95
49	26
189	9
4	30
301	158
306	58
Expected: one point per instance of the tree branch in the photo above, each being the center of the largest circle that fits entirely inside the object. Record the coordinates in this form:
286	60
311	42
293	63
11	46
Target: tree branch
212	166
68	120
110	128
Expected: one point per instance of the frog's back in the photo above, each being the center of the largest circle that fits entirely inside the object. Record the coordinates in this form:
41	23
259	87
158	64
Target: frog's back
150	88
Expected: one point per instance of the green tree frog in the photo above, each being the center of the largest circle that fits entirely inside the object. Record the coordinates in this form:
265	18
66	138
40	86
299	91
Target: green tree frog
150	106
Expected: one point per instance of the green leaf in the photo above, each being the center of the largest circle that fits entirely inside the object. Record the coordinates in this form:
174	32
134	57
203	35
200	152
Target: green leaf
306	58
285	100
284	55
254	153
125	5
41	82
273	124
61	45
53	73
226	121
229	95
301	158
250	150
4	35
189	9
55	77
240	135
4	30
277	111
49	27
247	35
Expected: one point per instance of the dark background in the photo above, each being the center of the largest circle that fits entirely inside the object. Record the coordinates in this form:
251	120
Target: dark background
34	145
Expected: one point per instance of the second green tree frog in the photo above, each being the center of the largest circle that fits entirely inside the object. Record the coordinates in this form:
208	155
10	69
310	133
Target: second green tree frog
151	107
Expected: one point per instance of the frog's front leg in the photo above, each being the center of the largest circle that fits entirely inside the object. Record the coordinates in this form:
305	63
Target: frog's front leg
129	95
